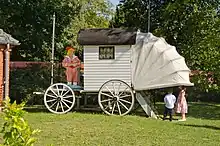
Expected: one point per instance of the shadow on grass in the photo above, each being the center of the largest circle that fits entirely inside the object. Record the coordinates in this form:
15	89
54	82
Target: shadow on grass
201	126
89	109
198	110
36	109
43	109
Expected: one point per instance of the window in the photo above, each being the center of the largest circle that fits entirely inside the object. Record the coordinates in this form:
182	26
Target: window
107	52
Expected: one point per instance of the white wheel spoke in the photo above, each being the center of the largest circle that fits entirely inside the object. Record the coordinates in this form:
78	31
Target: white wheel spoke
65	104
51	96
125	96
125	101
106	107
61	106
106	100
123	91
113	109
107	95
66	92
58	90
119	88
57	106
62	91
123	105
109	91
51	100
119	110
53	104
114	88
67	101
68	96
51	89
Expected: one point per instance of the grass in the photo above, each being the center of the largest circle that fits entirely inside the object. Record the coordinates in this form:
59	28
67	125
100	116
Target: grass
84	129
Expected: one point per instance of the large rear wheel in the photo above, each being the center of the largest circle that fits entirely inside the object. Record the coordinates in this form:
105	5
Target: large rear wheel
116	98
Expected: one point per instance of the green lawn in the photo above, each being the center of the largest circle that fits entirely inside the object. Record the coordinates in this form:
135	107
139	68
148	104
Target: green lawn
75	129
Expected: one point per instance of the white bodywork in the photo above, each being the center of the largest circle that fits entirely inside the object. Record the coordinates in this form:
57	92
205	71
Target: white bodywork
149	64
97	72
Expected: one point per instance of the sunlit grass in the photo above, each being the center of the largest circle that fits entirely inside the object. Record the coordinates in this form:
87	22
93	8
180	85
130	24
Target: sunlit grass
75	129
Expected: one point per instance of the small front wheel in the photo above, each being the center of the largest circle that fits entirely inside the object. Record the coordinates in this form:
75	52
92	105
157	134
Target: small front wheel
59	98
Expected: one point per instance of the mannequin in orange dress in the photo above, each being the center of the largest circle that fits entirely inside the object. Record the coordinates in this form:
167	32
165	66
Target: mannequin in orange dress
71	63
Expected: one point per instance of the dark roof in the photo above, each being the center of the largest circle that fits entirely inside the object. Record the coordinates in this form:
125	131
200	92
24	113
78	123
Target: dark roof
7	39
107	36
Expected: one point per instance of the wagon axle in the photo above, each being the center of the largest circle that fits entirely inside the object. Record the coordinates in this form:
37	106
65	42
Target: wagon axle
60	98
116	98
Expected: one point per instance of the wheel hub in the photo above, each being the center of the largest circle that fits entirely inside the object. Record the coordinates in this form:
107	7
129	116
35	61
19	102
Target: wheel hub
59	98
116	98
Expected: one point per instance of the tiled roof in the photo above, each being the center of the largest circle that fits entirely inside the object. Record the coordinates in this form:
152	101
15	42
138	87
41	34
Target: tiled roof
7	39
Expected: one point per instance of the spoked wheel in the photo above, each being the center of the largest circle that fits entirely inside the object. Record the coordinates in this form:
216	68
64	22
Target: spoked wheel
59	98
116	98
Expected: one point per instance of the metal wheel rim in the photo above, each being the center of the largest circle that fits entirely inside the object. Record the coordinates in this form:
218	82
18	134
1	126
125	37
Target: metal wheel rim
121	100
59	96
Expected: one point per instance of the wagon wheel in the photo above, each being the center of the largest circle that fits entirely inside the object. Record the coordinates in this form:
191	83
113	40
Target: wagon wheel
59	98
116	98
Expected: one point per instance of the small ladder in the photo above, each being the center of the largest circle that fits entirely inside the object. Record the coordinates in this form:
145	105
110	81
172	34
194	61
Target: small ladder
146	104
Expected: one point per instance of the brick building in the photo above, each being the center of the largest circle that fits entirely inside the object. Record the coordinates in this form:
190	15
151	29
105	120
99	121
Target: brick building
6	43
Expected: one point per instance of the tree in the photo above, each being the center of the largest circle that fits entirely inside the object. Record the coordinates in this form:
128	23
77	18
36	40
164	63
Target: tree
30	22
93	14
134	13
190	25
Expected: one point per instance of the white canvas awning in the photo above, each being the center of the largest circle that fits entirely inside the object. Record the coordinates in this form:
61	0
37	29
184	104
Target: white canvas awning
156	64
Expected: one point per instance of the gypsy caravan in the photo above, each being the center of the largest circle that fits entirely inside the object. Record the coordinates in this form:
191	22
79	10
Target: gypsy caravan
118	65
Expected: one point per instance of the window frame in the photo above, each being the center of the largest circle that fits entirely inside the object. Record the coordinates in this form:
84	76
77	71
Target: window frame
105	47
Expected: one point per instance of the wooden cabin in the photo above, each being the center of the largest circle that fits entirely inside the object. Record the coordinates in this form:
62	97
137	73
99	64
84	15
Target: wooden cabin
107	55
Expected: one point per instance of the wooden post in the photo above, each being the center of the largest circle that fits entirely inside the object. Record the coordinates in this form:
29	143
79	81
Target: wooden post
1	75
7	67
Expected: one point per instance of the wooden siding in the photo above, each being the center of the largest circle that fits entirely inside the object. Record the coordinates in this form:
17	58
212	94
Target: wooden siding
97	72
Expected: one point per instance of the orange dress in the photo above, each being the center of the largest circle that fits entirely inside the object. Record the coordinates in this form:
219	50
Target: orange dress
181	103
71	65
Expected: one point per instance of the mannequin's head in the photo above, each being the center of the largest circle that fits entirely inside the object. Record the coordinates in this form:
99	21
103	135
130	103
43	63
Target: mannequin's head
70	51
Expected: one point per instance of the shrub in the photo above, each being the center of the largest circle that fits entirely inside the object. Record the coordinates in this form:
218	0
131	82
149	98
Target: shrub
16	130
206	88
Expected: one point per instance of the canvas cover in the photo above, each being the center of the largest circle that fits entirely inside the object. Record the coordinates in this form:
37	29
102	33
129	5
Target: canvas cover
156	64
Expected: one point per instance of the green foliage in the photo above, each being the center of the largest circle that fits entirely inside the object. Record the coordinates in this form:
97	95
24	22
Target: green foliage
207	88
192	26
34	78
30	22
93	14
16	130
